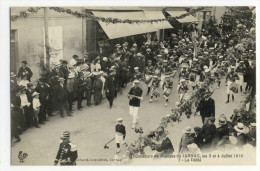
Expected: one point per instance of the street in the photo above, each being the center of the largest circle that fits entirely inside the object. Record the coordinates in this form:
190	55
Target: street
92	127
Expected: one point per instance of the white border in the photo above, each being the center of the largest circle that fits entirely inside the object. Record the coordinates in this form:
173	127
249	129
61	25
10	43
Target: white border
5	63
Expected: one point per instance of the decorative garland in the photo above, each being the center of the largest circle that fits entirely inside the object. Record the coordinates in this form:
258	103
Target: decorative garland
87	16
232	9
186	107
25	13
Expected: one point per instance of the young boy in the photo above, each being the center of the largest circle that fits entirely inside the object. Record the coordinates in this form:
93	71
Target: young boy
120	134
167	89
155	88
36	108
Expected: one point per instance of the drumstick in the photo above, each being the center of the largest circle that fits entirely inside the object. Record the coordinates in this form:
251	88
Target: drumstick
141	98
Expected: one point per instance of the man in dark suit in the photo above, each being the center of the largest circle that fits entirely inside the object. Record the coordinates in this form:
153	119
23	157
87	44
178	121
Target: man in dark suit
29	116
24	70
110	87
43	89
62	97
206	107
208	133
64	70
166	147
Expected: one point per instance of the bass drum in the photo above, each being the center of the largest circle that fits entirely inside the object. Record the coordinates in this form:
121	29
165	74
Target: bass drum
167	92
148	79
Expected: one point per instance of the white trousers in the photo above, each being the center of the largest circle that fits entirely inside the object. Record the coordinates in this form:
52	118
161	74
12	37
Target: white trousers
134	111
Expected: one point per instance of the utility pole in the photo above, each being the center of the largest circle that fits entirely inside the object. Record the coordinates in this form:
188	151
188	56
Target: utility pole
46	33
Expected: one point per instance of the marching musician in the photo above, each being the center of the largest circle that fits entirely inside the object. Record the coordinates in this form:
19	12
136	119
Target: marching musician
149	71
241	70
120	134
230	79
67	153
167	88
182	89
134	95
155	88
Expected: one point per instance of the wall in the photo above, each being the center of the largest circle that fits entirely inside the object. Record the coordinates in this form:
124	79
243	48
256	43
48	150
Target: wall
31	37
220	11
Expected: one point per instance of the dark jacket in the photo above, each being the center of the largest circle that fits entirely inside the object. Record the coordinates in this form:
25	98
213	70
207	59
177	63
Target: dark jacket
136	91
67	151
44	92
110	87
120	128
166	146
208	133
25	71
241	139
61	93
206	108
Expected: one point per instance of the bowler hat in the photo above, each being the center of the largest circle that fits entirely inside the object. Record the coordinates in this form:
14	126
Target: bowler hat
24	62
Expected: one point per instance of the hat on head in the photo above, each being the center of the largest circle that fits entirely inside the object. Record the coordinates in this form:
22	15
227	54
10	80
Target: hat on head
212	119
24	62
222	121
65	135
240	127
148	50
29	84
187	130
139	54
182	80
177	103
206	53
35	93
165	61
136	68
75	56
61	79
207	70
253	124
221	57
105	59
236	111
155	76
71	75
205	67
136	81
149	61
64	62
12	74
241	61
232	67
119	119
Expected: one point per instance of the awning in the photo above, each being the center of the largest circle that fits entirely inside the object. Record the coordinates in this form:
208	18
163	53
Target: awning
124	29
187	19
158	15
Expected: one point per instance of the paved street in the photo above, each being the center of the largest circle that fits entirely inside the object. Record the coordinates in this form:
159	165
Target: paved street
94	126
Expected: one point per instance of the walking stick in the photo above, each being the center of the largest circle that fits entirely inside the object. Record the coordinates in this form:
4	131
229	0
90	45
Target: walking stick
105	146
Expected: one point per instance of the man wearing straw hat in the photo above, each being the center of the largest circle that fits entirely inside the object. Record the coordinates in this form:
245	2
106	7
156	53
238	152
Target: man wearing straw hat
241	131
134	95
186	139
67	153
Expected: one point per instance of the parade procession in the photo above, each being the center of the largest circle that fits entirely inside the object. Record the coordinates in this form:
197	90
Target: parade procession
108	86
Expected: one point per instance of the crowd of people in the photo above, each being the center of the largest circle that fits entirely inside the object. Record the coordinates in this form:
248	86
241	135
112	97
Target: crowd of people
151	67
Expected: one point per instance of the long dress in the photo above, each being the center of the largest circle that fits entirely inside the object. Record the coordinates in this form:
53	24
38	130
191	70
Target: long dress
98	86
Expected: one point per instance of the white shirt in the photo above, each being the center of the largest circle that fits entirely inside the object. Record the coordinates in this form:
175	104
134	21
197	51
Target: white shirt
23	83
36	103
24	100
